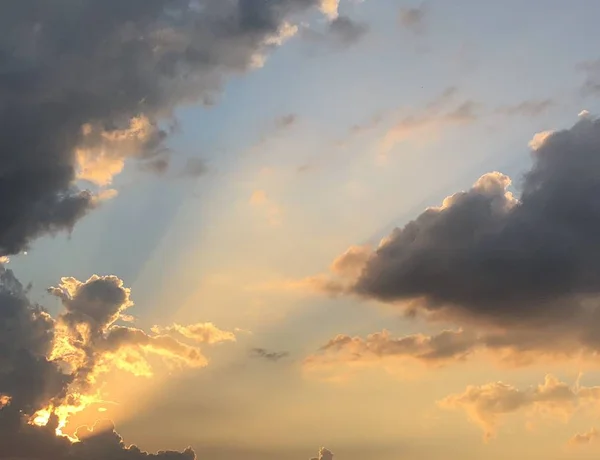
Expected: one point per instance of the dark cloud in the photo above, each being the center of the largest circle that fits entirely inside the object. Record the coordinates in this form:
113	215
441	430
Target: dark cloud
273	356
341	31
486	255
27	376
346	31
100	442
85	85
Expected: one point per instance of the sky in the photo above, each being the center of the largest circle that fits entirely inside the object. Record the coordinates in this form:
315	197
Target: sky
255	230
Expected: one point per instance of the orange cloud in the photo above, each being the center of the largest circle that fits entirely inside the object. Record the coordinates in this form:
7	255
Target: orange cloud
487	404
200	332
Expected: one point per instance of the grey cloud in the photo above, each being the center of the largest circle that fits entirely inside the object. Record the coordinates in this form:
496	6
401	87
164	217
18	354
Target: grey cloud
485	255
26	336
100	442
346	31
74	76
339	32
273	356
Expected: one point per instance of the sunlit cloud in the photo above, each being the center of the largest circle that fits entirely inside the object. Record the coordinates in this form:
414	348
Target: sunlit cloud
199	333
487	404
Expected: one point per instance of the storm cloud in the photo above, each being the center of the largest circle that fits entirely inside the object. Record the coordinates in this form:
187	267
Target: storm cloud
87	85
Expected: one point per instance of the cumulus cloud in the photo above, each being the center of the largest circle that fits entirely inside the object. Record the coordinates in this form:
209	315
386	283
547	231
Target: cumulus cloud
518	276
99	442
488	255
50	368
85	88
486	404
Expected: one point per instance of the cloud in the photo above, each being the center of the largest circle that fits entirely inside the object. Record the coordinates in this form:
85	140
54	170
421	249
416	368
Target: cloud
584	438
539	139
351	262
345	31
51	368
273	356
324	454
511	347
101	154
341	31
413	19
200	333
436	116
87	88
330	8
517	276
486	404
99	442
487	255
528	108
433	350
